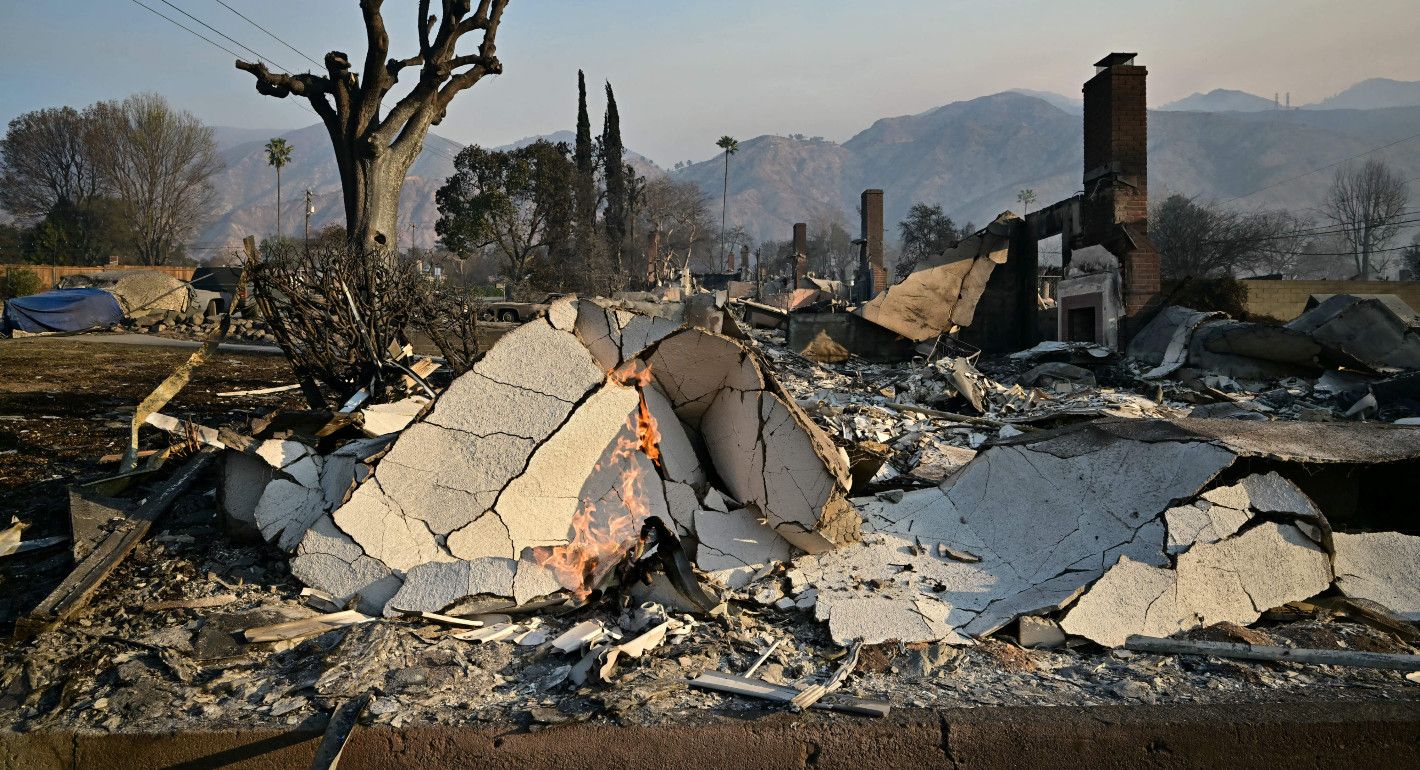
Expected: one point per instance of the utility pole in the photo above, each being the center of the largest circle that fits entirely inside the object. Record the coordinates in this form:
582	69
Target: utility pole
310	209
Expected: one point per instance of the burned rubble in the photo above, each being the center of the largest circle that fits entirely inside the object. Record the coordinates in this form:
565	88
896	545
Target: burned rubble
637	510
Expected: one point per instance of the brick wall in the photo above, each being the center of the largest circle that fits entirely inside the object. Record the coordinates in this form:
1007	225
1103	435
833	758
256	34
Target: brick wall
50	275
1286	299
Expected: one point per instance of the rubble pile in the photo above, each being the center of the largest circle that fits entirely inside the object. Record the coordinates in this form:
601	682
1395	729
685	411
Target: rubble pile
638	494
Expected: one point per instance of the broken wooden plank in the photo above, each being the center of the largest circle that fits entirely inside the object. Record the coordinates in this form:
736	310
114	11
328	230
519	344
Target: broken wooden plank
202	433
490	634
1241	651
295	629
260	391
178	380
73	593
448	620
202	602
143	454
758	688
343	721
760	660
813	693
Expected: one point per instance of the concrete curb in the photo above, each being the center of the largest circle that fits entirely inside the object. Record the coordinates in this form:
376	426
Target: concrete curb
1310	734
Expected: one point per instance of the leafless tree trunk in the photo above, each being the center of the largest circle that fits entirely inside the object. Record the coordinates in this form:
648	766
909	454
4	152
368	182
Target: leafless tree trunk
374	150
159	162
1367	202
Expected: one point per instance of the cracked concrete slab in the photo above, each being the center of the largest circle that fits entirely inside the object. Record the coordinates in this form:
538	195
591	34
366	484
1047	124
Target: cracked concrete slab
286	510
374	521
734	546
244	478
431	587
1201	522
1381	567
693	367
1044	520
1233	580
330	560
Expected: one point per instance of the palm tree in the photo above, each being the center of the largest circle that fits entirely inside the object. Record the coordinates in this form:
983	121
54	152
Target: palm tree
730	146
278	154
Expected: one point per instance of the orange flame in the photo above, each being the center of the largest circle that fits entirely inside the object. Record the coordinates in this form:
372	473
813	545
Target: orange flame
600	540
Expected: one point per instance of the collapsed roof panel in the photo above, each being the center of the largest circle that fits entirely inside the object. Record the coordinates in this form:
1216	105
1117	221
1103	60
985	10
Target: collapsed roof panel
943	291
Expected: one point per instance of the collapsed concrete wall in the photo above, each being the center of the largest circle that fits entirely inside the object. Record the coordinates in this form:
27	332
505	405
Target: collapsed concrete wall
534	471
1105	517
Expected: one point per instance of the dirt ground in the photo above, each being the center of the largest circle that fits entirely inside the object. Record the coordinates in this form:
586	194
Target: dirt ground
64	404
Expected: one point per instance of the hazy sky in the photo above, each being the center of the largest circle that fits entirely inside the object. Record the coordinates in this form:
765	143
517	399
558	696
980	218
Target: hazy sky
687	72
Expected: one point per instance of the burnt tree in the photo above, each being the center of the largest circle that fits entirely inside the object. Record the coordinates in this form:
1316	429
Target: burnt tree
374	149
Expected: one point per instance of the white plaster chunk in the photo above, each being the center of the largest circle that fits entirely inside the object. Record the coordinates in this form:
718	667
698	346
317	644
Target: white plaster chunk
1383	567
1233	496
693	367
538	506
1043	526
678	455
480	407
734	546
600	335
1205	523
715	500
681	504
337	476
1271	493
286	510
365	578
1233	580
642	331
533	581
244	478
562	313
279	453
306	471
767	458
485	536
385	419
385	533
446	478
538	358
432	587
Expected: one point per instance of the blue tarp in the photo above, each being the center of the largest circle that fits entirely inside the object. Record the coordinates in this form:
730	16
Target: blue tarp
62	310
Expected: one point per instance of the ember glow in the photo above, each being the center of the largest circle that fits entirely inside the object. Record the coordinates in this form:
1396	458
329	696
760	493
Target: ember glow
600	538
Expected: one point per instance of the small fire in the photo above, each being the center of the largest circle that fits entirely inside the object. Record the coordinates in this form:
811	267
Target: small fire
601	539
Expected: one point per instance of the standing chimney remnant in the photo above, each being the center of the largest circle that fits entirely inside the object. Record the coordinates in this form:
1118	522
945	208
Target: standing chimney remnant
1115	209
801	254
872	273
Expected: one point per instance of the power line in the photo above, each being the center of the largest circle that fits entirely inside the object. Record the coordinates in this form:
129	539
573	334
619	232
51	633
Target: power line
223	34
1320	168
269	33
189	29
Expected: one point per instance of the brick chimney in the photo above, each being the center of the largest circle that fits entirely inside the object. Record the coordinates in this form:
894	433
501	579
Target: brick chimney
1115	210
871	206
801	254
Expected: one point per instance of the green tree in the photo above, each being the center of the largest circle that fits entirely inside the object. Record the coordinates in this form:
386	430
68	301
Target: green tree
616	179
510	201
278	154
926	232
731	146
585	158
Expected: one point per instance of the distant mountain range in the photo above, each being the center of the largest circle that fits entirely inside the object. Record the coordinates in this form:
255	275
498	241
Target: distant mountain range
970	156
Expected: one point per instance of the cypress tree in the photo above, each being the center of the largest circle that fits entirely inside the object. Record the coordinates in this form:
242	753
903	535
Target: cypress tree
586	165
615	177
